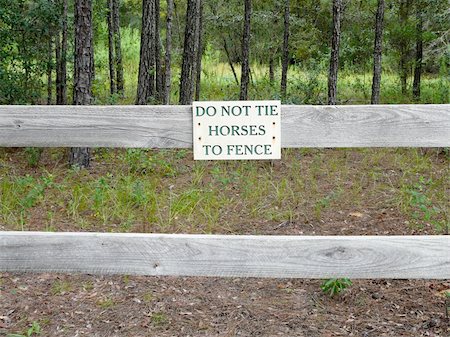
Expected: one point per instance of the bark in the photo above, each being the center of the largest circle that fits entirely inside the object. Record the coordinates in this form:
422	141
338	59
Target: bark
58	65
157	44
419	51
146	77
61	59
334	58
112	70
271	70
377	53
285	55
245	76
199	45
120	84
230	62
84	70
49	71
168	55
403	44
187	67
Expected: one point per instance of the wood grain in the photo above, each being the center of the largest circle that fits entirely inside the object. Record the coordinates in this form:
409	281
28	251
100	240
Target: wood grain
171	126
225	255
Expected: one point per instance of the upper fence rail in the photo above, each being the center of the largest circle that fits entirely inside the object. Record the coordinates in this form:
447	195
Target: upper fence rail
159	126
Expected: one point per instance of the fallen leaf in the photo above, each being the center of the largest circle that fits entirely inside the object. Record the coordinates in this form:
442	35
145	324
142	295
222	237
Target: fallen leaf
356	214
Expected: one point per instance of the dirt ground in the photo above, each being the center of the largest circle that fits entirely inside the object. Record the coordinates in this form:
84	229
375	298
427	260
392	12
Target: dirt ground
131	306
87	305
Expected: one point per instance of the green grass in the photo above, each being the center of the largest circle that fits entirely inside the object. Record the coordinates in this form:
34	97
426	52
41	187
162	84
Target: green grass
305	85
166	191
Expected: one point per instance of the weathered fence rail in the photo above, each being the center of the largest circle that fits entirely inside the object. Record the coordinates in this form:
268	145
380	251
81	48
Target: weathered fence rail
227	255
171	126
219	255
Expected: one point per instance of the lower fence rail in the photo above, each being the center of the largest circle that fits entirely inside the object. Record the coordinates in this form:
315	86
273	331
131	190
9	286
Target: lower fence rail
369	257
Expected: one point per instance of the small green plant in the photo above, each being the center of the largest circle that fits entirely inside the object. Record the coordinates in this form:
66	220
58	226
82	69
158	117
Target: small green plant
334	286
105	303
61	287
34	330
422	207
447	304
33	155
159	318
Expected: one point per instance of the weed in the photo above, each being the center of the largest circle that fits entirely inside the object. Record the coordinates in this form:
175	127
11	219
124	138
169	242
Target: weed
34	330
61	287
422	207
334	286
148	297
105	303
447	304
33	156
159	318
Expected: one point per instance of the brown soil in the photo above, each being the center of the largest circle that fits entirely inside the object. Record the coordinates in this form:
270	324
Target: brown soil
150	306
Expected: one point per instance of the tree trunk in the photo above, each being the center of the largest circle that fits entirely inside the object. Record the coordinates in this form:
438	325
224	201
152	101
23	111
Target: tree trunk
120	84
230	62
245	76
49	71
83	69
285	55
271	70
58	66
61	59
157	44
377	53
168	56
334	59
199	54
146	78
187	67
419	51
112	70
403	44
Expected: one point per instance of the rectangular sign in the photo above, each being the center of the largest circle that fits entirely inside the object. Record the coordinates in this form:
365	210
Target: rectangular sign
237	130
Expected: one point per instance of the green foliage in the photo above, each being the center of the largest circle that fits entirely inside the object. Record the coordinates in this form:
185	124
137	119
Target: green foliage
34	330
33	155
334	286
159	319
422	207
26	28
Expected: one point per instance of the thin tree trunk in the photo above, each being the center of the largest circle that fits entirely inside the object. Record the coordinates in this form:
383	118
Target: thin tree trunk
230	62
419	51
50	71
112	70
334	58
271	70
377	53
157	43
198	66
403	44
58	66
177	21
285	55
84	70
187	67
168	56
245	76
61	49
120	83
146	78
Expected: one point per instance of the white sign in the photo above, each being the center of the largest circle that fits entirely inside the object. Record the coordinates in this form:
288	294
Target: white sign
237	130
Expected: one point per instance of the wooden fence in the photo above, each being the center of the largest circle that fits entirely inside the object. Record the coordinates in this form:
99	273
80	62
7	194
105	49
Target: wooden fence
225	255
